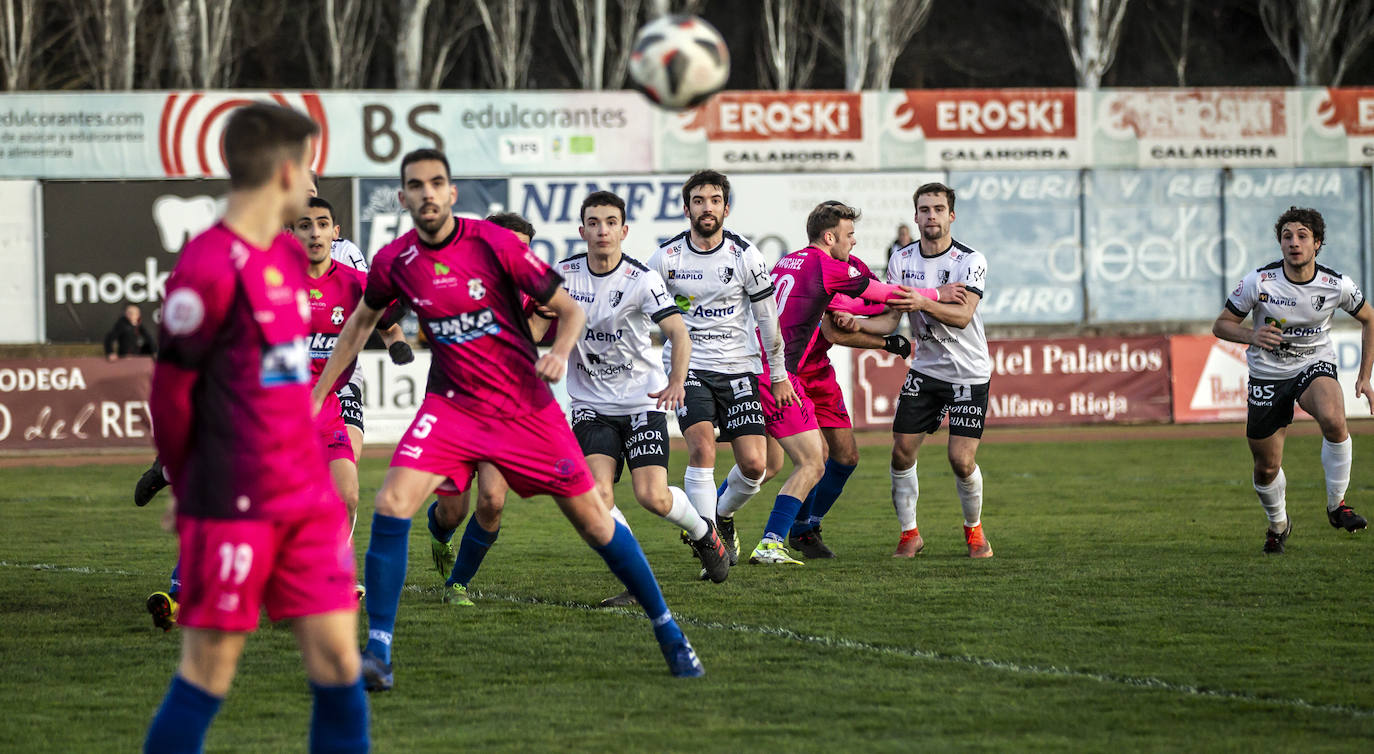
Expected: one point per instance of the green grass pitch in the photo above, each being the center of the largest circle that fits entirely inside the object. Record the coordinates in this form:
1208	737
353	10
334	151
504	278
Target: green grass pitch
1128	608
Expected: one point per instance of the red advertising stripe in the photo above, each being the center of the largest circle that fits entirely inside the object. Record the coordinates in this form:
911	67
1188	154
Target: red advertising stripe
781	116
1041	382
1351	110
991	113
1195	113
74	404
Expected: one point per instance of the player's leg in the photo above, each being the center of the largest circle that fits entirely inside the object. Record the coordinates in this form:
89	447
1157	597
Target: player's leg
842	452
479	536
747	428
149	483
344	473
618	547
329	648
1269	411
1323	400
920	407
209	661
671	504
807	452
442	518
355	438
697	419
403	491
968	482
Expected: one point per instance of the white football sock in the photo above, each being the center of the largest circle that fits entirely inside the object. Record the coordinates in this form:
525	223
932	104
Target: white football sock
1336	458
684	516
971	497
739	489
618	516
353	526
1272	497
905	490
700	485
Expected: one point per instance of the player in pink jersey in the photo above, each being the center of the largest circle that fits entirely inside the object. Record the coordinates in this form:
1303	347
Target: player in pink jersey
487	398
805	281
259	520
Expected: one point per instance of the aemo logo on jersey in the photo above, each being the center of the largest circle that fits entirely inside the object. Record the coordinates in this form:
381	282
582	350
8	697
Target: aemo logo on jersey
463	328
707	311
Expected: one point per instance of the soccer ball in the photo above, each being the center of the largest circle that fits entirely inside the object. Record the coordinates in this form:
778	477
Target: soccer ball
679	61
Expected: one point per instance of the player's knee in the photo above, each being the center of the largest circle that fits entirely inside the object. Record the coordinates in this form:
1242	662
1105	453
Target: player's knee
451	510
657	501
845	456
902	458
752	467
1267	470
390	502
336	666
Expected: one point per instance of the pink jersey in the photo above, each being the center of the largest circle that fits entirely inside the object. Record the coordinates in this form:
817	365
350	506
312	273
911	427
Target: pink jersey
466	292
333	296
236	320
806	281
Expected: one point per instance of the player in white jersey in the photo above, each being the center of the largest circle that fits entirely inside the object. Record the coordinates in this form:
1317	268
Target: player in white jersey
950	368
1291	303
722	285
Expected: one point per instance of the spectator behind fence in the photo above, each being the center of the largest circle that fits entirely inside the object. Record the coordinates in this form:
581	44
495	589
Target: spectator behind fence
902	240
128	336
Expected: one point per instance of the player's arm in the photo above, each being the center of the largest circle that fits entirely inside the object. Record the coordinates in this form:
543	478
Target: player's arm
1365	316
675	333
952	314
169	406
572	320
1230	326
844	329
352	338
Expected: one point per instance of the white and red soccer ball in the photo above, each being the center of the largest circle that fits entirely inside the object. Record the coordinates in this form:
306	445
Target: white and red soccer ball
679	61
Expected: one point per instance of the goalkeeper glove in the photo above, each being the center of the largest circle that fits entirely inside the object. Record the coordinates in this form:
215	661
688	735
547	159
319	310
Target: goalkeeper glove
400	352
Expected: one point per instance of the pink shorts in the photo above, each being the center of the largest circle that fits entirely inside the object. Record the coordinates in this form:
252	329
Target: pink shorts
824	391
536	452
230	568
333	432
785	421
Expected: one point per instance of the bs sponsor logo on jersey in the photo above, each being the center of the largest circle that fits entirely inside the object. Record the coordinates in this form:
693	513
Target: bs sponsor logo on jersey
1269	275
463	328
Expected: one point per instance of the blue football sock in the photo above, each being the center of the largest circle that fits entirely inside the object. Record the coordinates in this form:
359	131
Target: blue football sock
339	721
725	485
629	565
780	519
440	533
385	569
829	488
476	541
802	523
182	720
174	584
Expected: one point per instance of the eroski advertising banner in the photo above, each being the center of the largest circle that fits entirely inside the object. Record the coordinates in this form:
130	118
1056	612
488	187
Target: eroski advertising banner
1040	382
113	243
1337	126
1161	128
75	404
770	131
982	128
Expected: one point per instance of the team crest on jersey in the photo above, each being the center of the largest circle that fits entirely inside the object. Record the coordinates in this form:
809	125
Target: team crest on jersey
475	288
1318	301
336	317
942	277
725	273
616	296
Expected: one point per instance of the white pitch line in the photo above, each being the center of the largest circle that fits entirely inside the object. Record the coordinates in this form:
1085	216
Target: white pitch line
1142	682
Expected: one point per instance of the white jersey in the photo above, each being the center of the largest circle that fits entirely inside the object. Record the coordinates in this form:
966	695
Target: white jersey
714	290
1302	310
347	253
946	353
610	371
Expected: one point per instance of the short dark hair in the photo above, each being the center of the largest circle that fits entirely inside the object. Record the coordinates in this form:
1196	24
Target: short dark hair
1303	216
601	199
420	155
827	215
258	137
706	178
513	221
934	188
319	201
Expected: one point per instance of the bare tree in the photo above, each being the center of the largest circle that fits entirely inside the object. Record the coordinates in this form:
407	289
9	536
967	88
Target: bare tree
792	34
349	40
1163	21
1092	29
622	43
895	23
199	33
1319	39
509	25
854	20
104	33
447	34
410	41
583	37
18	19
